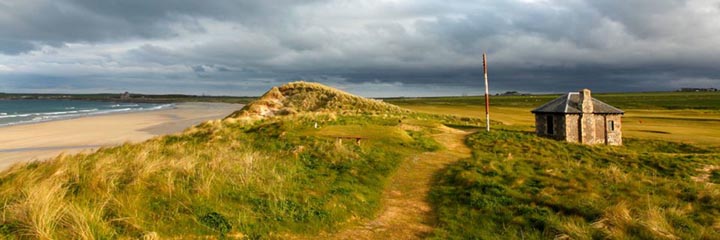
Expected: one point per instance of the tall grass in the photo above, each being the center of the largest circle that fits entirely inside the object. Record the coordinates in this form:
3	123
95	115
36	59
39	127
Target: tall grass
222	178
519	186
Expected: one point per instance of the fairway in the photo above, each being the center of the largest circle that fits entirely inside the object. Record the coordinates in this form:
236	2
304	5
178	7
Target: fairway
679	117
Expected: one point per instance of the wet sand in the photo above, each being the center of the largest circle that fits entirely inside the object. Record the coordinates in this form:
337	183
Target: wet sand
40	141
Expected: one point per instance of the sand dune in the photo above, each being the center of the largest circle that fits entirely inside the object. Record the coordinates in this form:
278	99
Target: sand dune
44	140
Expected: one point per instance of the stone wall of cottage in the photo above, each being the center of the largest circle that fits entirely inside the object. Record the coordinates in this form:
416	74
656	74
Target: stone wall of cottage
600	129
567	127
572	128
587	133
541	125
614	136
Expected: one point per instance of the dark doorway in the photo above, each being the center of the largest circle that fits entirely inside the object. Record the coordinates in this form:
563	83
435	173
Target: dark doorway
550	125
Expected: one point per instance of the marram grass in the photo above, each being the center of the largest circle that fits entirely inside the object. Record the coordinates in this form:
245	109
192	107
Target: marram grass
219	179
298	97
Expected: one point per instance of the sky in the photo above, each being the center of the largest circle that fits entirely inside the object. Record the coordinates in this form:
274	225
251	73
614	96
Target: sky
373	48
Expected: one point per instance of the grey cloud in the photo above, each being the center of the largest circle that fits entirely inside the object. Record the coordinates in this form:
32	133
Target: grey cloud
209	68
198	69
15	47
55	22
153	54
644	18
425	46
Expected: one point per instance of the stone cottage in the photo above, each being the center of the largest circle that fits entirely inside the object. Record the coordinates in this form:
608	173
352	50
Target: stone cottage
577	117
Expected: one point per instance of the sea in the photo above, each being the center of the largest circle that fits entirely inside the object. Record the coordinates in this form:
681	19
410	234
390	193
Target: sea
13	112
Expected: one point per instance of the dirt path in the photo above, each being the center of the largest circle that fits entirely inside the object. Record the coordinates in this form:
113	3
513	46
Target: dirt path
406	213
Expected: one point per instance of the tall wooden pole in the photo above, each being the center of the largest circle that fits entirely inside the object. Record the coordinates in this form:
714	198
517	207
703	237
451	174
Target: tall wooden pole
487	94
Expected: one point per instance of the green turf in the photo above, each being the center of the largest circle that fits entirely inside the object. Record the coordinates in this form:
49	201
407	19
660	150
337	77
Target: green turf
519	186
281	176
685	117
655	100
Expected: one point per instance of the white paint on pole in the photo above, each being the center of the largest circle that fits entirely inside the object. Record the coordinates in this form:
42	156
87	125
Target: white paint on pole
487	94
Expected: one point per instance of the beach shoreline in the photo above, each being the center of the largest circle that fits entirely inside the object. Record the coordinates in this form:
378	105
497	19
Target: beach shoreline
166	106
44	140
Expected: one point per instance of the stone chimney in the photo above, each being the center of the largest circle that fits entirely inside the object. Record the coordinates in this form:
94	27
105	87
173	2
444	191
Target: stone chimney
586	104
587	119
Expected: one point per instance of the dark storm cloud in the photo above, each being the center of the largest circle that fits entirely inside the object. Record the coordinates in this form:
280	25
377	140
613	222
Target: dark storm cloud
15	46
643	18
425	47
56	22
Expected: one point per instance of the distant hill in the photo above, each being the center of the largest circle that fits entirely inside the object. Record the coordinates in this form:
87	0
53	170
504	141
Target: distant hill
297	97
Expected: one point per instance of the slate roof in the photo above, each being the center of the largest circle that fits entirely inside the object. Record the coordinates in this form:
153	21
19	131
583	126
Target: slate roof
570	103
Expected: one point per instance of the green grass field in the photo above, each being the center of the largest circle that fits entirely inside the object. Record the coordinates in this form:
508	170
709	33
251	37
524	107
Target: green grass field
279	176
673	116
520	186
660	185
652	100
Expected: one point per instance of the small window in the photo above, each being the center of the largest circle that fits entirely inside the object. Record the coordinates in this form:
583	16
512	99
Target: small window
550	125
611	124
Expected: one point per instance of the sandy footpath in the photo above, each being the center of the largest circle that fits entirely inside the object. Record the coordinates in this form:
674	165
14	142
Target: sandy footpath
45	140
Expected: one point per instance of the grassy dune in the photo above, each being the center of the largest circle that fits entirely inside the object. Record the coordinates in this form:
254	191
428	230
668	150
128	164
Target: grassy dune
301	96
216	179
244	176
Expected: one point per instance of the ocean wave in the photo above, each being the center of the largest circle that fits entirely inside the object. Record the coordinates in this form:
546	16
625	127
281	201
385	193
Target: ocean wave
113	111
66	112
16	115
126	105
163	106
47	113
49	116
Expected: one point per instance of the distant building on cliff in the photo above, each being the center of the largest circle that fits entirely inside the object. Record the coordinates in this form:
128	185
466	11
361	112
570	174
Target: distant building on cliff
125	96
697	90
577	117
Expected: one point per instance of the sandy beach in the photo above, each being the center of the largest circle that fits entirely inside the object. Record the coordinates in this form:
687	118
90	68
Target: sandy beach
41	141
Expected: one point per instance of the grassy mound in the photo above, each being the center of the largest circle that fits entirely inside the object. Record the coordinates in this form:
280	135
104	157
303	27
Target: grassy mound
218	179
298	97
240	177
519	186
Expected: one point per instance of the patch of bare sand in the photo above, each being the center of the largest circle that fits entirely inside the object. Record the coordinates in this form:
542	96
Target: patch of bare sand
705	172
